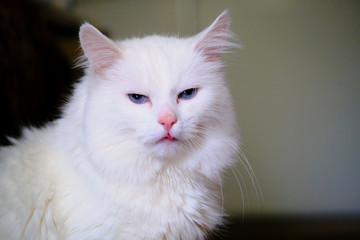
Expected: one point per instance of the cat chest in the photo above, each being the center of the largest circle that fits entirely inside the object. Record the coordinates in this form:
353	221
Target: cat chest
153	212
170	210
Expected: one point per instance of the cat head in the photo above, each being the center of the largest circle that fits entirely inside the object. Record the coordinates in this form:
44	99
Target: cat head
160	97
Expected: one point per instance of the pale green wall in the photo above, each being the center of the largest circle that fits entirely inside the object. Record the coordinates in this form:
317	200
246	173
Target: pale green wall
296	85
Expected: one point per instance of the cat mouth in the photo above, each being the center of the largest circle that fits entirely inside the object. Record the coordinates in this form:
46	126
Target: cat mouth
167	138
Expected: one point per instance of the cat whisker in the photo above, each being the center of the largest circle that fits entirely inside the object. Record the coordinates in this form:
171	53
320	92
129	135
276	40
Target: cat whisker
242	159
222	199
242	180
240	189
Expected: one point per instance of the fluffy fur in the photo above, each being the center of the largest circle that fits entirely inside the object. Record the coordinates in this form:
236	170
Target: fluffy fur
106	169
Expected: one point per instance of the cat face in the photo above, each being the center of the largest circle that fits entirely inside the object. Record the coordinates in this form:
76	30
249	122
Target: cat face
175	94
159	95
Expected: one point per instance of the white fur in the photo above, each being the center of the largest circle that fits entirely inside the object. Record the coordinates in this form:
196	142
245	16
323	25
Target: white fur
99	172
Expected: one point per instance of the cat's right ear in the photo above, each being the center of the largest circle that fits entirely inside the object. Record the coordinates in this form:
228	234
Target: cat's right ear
100	51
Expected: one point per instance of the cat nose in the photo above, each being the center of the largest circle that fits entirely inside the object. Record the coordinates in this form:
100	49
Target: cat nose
167	120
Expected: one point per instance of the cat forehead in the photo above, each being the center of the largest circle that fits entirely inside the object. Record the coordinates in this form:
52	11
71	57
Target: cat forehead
157	59
157	46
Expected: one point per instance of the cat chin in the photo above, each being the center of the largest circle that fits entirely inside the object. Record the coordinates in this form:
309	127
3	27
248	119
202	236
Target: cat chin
168	150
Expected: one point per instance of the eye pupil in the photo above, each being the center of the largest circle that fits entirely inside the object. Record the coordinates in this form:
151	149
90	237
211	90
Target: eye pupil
188	93
138	98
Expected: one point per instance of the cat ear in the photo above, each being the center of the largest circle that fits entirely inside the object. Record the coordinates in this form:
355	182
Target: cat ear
100	51
212	41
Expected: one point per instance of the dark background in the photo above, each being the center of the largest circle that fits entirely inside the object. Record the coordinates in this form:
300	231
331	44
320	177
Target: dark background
37	49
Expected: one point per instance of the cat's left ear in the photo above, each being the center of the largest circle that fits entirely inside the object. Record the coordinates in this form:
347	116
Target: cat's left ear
212	41
100	51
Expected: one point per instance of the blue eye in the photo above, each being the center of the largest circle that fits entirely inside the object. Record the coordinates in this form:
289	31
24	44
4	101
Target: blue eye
138	98
188	93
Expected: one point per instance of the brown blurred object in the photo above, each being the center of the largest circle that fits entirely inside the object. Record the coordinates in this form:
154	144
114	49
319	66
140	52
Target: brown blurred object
37	49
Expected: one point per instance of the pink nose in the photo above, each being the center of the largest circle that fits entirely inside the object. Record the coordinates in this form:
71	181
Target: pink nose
167	120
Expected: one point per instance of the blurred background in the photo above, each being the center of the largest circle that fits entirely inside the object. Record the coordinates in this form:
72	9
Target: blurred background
295	84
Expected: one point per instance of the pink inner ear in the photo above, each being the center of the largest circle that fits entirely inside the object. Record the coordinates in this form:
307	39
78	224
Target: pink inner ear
100	51
213	54
214	38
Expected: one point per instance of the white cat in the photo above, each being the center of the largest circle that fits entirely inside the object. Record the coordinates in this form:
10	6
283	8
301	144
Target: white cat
139	151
